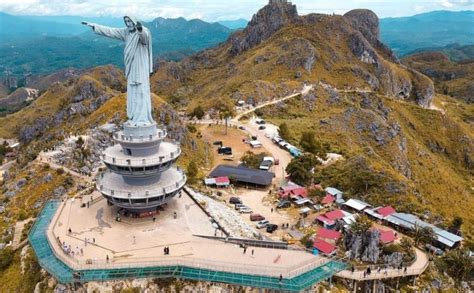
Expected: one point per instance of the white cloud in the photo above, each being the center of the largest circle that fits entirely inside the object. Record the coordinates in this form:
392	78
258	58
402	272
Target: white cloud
213	10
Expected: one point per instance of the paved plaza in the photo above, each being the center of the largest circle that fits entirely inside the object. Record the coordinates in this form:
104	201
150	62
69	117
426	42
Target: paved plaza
95	235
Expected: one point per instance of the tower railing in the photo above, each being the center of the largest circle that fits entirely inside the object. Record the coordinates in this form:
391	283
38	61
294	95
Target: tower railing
119	136
141	162
125	194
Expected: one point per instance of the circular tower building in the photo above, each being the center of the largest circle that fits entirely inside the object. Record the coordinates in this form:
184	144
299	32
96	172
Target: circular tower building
141	175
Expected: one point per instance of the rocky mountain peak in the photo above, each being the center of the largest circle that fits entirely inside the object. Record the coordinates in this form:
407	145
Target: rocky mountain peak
366	21
272	17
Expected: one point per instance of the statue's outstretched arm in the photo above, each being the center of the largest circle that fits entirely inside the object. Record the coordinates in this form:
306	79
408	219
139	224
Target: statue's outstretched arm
110	32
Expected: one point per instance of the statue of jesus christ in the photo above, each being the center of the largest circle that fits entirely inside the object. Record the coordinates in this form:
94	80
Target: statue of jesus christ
138	66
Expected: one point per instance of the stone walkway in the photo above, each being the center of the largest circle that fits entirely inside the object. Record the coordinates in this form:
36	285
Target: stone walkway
18	232
417	268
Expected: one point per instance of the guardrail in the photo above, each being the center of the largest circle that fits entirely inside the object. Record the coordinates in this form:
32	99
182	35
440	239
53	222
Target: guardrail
158	159
143	194
214	265
130	138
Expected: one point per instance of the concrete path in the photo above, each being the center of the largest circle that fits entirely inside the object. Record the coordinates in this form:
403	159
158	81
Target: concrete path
417	268
304	91
18	232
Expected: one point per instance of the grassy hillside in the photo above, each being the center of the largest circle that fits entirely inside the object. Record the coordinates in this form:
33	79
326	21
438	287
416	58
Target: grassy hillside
416	159
451	77
328	50
366	106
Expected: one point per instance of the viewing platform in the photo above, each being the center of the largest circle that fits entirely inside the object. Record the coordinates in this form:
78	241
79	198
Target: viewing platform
98	248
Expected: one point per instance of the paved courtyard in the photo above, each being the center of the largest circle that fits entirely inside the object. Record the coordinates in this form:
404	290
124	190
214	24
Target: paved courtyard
96	235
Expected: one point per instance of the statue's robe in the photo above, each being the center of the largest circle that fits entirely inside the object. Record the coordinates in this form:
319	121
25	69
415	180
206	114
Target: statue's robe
138	66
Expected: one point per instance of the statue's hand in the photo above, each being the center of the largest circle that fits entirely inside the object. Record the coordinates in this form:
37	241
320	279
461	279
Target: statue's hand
88	24
139	26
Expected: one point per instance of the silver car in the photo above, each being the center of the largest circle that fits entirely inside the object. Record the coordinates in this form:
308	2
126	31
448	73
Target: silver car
262	224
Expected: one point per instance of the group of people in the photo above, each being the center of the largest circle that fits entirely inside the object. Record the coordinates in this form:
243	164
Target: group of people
70	251
368	271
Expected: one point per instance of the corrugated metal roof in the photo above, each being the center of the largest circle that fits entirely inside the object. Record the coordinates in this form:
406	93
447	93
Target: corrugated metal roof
332	190
356	204
410	221
243	175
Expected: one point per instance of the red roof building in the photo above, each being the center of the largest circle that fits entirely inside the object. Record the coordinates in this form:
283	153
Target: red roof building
328	199
292	191
222	180
324	247
325	220
328	234
387	236
334	215
386	211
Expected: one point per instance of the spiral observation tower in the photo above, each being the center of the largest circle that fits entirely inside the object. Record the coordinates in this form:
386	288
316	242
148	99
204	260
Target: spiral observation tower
141	175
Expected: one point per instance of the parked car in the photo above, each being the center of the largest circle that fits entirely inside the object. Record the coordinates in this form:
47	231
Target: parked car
235	200
271	228
224	150
256	217
239	205
261	127
283	204
245	210
262	224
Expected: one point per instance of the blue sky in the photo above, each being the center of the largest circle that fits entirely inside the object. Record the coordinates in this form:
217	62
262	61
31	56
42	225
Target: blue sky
214	10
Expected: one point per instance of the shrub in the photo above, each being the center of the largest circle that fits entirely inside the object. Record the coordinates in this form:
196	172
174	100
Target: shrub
192	172
307	241
252	160
284	131
392	248
197	112
6	258
192	128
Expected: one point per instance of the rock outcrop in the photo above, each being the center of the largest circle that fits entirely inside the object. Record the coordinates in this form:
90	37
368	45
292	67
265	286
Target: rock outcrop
263	25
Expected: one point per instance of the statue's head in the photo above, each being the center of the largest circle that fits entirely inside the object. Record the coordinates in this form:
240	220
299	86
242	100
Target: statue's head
129	22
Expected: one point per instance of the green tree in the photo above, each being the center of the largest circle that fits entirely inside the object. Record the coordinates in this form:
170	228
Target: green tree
192	171
284	131
309	144
300	169
361	225
460	265
198	112
407	244
251	160
6	258
423	235
456	224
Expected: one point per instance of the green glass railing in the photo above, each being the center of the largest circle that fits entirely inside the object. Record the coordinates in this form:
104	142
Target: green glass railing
64	274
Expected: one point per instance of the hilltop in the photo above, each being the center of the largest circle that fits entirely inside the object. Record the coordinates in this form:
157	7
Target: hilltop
366	105
454	78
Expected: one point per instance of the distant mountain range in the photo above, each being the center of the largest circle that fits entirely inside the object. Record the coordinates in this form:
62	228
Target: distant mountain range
61	41
428	30
235	24
44	44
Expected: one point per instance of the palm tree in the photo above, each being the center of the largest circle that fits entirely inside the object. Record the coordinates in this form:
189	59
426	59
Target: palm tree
361	225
